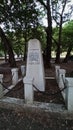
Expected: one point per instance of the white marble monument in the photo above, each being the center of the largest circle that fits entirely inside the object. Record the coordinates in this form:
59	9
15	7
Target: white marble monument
35	67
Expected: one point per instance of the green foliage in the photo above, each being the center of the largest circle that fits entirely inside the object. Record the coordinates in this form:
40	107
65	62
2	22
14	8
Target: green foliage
21	21
40	34
67	36
17	41
55	37
1	54
16	14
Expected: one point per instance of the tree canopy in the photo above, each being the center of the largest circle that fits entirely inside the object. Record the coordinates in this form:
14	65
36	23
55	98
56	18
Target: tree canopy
22	20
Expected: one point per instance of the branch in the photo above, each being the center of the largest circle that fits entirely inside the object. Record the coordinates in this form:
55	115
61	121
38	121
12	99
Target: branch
64	7
55	19
55	41
42	3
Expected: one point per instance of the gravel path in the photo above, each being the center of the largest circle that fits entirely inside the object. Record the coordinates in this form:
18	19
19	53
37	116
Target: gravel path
16	120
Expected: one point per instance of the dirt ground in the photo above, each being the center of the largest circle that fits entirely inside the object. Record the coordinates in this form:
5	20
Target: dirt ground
27	120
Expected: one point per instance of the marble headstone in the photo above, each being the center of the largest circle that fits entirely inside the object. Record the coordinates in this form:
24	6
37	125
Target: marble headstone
35	67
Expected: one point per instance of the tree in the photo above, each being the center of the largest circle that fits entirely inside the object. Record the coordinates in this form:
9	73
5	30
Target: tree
17	41
60	16
48	31
68	38
8	47
29	20
19	16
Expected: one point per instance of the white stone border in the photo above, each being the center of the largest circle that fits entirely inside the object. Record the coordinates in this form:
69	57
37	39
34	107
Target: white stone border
69	94
61	82
66	83
57	73
23	70
14	76
1	87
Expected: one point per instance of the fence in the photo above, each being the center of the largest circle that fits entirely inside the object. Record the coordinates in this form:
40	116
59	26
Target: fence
4	89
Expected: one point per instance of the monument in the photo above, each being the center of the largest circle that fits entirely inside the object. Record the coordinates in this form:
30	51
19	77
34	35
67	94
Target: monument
35	67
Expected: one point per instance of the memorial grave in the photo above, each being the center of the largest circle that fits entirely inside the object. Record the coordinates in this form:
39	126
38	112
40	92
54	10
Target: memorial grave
34	71
35	82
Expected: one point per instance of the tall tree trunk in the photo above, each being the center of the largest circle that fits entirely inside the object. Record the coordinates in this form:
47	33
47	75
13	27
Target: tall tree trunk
68	54
25	48
48	31
8	48
60	34
49	34
59	42
25	32
5	56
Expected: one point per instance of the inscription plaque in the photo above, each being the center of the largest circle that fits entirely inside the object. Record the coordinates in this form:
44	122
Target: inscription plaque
34	57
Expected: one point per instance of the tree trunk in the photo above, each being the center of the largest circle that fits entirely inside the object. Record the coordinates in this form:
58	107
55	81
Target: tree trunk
49	35
25	46
59	42
57	60
48	32
8	48
25	32
68	54
60	34
5	56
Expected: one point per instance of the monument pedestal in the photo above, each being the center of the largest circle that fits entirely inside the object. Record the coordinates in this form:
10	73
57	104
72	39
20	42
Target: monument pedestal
28	90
